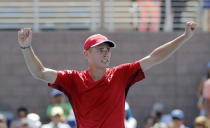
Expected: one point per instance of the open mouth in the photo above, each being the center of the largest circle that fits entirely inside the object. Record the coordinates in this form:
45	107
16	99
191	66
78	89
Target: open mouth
105	61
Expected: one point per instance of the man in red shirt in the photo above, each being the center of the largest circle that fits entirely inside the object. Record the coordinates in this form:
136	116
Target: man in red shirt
97	95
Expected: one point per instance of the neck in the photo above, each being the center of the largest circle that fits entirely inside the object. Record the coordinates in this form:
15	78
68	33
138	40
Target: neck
96	73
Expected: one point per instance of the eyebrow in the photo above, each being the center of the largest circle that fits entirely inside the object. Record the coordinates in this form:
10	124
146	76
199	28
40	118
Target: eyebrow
104	46
101	48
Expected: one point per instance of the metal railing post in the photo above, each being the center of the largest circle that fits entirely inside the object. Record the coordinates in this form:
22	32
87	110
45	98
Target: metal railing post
111	24
36	16
199	14
168	26
93	15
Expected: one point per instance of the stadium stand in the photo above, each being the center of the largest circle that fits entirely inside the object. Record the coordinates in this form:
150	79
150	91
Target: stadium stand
48	15
206	15
93	15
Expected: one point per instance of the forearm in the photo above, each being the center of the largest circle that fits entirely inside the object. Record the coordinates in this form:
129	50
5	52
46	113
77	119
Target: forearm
33	63
163	52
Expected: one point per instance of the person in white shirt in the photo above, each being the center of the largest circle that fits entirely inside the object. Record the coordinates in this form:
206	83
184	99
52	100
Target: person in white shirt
56	117
130	122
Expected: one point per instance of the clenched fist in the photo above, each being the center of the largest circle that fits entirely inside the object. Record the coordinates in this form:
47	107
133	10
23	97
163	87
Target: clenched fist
190	29
25	37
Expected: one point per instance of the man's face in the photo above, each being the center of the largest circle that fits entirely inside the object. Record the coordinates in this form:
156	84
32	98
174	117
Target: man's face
56	119
22	114
99	56
59	99
178	122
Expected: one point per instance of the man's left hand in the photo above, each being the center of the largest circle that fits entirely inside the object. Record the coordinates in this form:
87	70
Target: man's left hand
190	29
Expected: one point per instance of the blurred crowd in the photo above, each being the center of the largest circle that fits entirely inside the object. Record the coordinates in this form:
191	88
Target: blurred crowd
59	114
175	119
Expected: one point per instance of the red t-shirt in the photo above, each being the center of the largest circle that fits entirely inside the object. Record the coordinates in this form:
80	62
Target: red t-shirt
99	104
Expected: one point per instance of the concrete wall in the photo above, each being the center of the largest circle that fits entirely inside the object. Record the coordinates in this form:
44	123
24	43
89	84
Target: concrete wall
173	83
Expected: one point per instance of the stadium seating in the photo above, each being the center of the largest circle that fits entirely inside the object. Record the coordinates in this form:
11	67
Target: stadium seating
89	15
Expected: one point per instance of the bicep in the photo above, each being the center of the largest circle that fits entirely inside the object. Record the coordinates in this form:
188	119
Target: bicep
49	75
147	62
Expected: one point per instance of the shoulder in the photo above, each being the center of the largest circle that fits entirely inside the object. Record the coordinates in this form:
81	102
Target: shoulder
67	72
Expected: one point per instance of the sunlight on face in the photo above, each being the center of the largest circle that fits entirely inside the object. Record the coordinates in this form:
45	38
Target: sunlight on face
99	56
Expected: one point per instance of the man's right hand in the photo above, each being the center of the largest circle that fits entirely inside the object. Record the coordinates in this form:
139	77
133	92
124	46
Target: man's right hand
25	37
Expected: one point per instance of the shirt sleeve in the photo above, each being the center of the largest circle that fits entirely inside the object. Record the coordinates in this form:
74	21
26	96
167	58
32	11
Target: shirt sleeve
64	81
132	73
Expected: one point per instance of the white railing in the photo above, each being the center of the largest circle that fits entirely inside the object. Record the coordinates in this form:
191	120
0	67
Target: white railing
117	15
129	15
50	15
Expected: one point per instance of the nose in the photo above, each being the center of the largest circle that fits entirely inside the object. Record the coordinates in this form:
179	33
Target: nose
105	52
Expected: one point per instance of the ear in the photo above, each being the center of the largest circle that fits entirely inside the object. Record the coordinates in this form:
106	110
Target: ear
85	53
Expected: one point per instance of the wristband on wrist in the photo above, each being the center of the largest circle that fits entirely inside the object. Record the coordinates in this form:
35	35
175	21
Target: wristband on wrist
25	47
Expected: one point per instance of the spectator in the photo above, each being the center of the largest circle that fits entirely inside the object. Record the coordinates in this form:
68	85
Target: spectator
71	119
130	122
149	122
157	111
150	15
3	123
155	120
160	119
24	123
56	116
177	119
177	9
206	15
200	92
58	100
206	95
160	125
200	122
21	114
34	120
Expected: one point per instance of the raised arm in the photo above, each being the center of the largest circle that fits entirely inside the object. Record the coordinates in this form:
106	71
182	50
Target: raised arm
163	52
34	65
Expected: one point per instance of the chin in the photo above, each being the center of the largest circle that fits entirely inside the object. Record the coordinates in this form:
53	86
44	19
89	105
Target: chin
105	65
